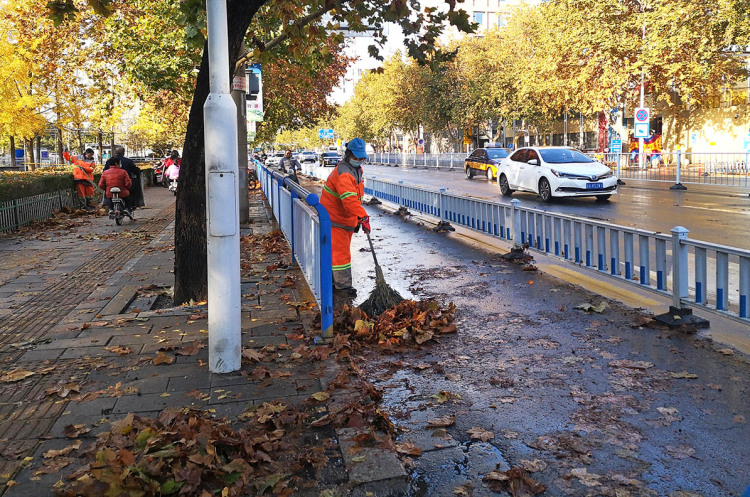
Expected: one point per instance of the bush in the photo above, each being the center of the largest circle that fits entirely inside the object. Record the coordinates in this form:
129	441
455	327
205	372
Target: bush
20	184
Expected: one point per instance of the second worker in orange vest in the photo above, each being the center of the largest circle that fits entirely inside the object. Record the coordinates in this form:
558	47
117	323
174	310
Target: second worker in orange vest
342	198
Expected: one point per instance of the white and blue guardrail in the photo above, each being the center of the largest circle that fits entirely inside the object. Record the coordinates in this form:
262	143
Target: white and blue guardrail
307	228
673	265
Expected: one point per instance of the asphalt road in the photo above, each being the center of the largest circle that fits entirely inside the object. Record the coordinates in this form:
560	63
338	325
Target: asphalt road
712	214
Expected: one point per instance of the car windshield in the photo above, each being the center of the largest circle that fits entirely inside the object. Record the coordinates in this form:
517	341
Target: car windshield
563	156
330	154
497	153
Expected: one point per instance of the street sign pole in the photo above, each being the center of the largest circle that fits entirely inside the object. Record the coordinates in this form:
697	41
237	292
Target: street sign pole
222	210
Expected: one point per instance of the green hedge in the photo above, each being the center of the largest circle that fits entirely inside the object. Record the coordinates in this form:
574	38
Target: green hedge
15	185
19	184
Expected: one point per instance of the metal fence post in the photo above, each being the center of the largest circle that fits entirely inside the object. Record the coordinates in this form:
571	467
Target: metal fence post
515	213
441	213
744	285
679	265
400	193
326	271
16	214
291	229
678	179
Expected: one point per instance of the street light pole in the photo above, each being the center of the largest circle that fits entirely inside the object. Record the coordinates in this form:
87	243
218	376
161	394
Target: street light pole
222	210
643	77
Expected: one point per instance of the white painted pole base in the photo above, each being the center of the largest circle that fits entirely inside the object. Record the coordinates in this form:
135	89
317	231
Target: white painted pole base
222	233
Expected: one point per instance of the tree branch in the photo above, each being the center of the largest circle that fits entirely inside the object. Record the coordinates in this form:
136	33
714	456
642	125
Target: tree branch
301	22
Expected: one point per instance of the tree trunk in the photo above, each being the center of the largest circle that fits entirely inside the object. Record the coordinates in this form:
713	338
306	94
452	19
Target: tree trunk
39	149
112	145
80	141
13	152
60	159
29	144
100	140
191	265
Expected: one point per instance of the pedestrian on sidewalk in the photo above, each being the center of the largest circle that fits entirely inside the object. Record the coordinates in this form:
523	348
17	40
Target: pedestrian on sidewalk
136	192
115	176
342	198
83	177
289	165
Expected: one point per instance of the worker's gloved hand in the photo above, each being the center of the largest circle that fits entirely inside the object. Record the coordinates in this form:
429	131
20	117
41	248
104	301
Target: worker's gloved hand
365	223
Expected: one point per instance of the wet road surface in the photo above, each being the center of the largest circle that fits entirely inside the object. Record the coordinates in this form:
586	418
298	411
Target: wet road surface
713	214
592	403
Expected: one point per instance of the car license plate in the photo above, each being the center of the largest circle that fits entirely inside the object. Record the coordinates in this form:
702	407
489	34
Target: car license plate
594	186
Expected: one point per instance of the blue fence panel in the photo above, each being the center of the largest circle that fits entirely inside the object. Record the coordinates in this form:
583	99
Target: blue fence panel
307	228
596	245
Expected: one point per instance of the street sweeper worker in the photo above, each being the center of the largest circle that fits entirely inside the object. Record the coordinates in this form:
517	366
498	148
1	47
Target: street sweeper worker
342	198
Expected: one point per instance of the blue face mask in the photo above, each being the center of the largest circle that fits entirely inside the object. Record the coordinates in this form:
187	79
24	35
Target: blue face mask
356	162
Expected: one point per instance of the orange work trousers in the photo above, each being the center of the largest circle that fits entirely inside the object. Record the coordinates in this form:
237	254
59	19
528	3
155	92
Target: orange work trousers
341	240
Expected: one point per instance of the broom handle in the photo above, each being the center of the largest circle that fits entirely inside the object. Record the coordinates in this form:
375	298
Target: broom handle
372	249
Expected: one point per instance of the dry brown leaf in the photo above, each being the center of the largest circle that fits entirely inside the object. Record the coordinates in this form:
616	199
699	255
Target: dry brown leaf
162	358
74	431
628	364
480	434
684	375
62	452
441	422
119	350
409	449
533	466
15	375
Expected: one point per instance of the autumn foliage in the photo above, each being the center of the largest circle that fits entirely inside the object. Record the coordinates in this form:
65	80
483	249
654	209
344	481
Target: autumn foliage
409	323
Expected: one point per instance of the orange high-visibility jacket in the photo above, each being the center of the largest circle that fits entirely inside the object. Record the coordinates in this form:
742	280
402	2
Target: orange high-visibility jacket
342	195
83	170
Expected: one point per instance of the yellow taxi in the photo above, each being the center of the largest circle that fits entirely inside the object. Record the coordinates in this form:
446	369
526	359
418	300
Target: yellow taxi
485	161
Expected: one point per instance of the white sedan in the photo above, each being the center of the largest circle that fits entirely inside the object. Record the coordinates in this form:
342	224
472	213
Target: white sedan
555	172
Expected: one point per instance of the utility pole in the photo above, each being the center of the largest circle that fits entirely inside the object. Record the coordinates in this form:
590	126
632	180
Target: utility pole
239	95
222	223
643	77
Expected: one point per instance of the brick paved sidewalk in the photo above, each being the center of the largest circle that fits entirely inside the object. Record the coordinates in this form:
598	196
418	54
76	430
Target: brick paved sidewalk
82	323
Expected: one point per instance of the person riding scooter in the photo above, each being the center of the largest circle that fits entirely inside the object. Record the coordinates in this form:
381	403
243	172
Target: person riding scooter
173	171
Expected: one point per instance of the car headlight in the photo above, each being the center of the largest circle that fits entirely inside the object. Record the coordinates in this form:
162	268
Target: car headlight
606	175
565	175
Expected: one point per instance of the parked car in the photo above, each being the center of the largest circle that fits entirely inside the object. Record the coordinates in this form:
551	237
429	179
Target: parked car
308	156
485	160
555	172
274	159
329	158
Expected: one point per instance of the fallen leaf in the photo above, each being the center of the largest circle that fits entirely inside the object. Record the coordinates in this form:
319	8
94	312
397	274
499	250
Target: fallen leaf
119	350
726	351
320	396
15	375
684	375
628	364
63	390
409	449
587	479
441	422
533	466
739	418
74	431
67	450
480	434
162	358
680	451
515	482
253	355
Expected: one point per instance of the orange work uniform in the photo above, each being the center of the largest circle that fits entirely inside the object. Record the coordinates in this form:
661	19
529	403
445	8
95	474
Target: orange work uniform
342	198
83	177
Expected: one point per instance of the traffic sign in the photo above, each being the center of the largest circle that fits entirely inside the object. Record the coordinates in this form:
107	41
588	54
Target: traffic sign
642	115
641	130
616	146
325	134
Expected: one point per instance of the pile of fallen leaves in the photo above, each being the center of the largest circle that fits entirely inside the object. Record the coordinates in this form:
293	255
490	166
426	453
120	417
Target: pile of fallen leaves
187	452
407	323
270	243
